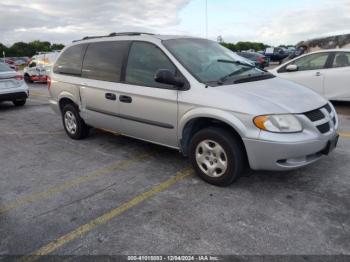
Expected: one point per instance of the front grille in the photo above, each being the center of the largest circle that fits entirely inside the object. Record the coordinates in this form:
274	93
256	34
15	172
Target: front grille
314	115
322	118
324	128
328	107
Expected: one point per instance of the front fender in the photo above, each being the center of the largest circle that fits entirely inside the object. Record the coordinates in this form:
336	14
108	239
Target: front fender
224	116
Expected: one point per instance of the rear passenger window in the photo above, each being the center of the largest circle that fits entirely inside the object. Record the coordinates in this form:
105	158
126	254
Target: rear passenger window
71	60
144	61
104	60
341	60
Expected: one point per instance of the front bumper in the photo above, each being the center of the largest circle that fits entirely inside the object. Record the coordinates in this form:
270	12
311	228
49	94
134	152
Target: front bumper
278	151
38	78
272	155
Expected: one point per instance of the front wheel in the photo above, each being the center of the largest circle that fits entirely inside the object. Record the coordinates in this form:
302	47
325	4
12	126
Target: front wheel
73	124
217	156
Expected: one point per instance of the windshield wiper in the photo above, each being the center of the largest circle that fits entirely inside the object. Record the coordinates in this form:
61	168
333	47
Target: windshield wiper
224	78
235	62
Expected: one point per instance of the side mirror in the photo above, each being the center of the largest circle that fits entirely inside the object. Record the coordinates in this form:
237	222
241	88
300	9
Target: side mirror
165	76
292	68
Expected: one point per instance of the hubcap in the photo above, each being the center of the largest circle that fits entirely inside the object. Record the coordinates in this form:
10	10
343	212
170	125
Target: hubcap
211	158
70	122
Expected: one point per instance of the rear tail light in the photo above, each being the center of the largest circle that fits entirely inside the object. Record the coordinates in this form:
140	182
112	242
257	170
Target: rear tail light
48	83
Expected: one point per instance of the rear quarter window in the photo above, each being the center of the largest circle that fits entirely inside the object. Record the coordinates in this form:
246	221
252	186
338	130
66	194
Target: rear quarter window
71	60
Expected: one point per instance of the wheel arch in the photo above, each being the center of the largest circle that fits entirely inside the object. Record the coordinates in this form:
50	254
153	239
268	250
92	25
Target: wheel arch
198	119
66	98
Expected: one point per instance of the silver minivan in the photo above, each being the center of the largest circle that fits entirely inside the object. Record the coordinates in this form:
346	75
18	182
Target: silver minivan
192	95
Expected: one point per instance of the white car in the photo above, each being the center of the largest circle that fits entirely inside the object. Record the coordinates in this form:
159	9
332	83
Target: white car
39	67
12	86
327	72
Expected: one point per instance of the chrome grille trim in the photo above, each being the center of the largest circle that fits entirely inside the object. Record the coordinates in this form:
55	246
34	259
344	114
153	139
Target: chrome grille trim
323	118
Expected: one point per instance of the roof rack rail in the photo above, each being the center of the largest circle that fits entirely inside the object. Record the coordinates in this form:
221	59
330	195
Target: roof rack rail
129	33
112	34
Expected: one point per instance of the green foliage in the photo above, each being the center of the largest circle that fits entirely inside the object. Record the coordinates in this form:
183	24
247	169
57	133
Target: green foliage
241	46
29	49
57	47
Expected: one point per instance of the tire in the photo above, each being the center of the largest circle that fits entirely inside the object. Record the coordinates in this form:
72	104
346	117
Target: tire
19	102
74	125
227	150
27	78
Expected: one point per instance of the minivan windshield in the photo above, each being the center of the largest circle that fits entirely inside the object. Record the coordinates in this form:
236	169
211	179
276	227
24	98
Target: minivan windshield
211	63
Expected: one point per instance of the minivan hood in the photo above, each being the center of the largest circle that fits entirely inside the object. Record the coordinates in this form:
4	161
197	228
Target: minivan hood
274	96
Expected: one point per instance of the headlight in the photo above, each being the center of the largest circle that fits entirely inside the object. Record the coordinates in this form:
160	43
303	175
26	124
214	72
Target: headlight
278	123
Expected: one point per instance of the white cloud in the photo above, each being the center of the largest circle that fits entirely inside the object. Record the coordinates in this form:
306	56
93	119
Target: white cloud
63	21
327	17
66	20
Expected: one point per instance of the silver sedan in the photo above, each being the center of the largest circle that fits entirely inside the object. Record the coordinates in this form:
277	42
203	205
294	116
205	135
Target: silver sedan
12	86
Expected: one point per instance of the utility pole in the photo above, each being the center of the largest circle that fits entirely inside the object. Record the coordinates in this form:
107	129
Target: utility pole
206	19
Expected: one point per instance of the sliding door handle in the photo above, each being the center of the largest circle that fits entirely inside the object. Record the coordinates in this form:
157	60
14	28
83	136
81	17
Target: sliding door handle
125	99
110	96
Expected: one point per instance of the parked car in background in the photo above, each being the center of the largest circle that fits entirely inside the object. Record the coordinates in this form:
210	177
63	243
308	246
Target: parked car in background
291	49
193	95
276	54
259	60
39	67
327	72
297	52
10	62
12	86
19	61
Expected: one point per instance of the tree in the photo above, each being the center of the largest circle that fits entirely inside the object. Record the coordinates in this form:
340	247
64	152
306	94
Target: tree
29	49
21	49
57	47
3	48
39	46
242	46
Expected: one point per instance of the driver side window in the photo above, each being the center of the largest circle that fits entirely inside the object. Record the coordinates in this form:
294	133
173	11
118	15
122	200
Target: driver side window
144	61
311	62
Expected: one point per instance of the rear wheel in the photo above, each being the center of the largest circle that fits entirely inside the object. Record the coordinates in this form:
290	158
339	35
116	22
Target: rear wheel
73	124
19	102
217	156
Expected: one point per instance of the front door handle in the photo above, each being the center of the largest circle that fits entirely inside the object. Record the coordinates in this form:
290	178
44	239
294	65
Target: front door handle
110	96
125	99
318	73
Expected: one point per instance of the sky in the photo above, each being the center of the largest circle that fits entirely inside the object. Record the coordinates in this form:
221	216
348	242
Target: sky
272	22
